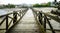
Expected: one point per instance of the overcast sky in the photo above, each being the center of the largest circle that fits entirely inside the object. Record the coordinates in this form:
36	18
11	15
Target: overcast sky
24	1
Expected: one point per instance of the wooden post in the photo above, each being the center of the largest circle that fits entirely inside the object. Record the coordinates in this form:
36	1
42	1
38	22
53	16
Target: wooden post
6	22
23	12
40	17
35	13
45	23
20	13
14	16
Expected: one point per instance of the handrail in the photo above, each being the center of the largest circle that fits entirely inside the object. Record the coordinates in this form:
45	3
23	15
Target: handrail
43	23
50	25
17	21
14	18
54	18
37	20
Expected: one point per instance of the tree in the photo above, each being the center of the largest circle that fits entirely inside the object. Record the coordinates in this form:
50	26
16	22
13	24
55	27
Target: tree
36	5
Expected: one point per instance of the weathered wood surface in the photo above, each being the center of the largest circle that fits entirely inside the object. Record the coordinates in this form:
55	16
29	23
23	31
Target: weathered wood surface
49	15
26	25
56	18
9	18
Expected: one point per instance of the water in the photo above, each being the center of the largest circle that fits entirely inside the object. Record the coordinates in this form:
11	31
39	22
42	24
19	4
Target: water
5	11
2	12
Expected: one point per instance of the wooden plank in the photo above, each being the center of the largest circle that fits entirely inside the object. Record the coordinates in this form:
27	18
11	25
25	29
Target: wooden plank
50	25
2	21
14	16
45	23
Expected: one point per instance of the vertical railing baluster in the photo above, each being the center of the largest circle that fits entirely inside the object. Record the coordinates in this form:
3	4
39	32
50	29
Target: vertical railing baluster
6	22
35	15
45	23
20	13
40	17
14	16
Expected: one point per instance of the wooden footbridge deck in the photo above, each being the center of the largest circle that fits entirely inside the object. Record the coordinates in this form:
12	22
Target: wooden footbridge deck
28	21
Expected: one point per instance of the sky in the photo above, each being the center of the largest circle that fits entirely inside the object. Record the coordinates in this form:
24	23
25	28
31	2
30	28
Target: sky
24	1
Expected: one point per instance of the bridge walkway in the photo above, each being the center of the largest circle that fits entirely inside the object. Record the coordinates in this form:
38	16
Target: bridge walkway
27	24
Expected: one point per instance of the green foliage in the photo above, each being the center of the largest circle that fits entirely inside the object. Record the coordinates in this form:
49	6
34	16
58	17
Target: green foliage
41	5
8	6
36	5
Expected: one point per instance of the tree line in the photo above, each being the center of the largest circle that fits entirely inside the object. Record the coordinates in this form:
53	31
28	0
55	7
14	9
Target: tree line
7	6
42	5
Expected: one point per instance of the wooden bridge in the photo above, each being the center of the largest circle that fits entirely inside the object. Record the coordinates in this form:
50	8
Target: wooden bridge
25	21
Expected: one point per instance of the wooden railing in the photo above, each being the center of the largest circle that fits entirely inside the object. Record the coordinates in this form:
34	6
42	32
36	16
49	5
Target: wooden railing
16	17
42	19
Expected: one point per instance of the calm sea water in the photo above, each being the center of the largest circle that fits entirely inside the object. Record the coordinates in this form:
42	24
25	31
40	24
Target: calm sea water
2	12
